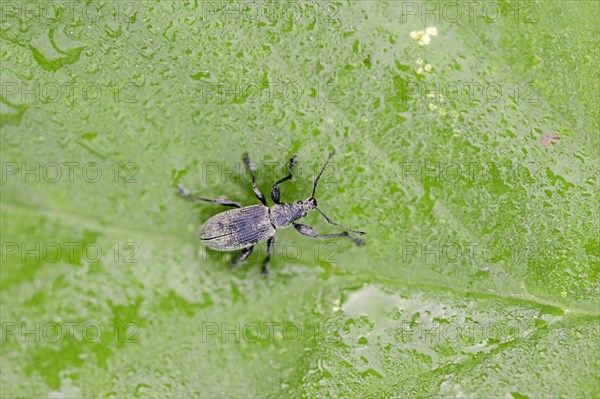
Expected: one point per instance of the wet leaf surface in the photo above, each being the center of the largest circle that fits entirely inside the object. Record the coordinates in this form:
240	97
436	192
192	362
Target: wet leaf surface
479	277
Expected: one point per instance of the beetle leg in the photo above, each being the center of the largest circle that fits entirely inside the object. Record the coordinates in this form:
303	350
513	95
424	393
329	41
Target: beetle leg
246	252
257	192
265	266
227	202
308	231
275	193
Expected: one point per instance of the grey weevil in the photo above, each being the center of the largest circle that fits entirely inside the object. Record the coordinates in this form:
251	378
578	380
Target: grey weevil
247	226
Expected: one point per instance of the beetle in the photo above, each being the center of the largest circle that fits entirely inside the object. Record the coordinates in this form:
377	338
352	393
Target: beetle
246	226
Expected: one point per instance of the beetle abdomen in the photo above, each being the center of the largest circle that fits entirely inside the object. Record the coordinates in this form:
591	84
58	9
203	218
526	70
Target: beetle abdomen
237	229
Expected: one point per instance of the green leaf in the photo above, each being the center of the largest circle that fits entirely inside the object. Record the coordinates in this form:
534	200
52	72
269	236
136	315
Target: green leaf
479	277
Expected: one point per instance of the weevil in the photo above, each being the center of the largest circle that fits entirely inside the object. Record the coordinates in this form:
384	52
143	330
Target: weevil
246	226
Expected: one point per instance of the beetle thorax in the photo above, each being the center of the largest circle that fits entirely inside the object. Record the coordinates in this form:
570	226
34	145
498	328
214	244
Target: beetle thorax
283	215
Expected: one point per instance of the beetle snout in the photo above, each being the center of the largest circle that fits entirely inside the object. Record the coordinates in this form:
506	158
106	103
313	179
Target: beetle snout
312	203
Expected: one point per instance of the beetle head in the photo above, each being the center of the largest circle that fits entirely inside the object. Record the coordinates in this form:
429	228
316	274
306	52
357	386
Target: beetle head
303	207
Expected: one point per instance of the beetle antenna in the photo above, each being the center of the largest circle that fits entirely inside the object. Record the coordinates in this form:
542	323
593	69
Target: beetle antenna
360	233
320	173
